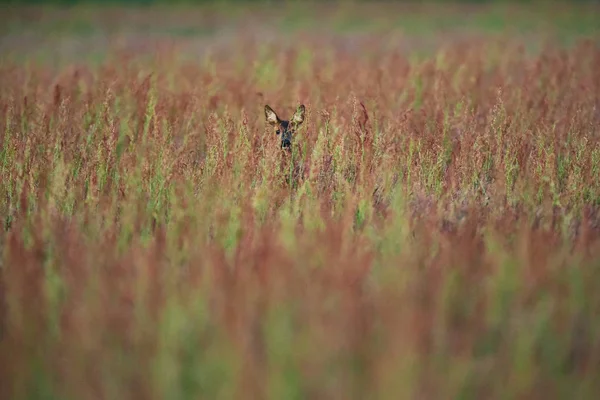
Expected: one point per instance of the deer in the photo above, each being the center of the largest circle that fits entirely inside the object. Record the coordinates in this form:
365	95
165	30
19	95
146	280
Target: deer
285	129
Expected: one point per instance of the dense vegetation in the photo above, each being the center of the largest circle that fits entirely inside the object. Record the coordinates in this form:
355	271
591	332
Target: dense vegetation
157	243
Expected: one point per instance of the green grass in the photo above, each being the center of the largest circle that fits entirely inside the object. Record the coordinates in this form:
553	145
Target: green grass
156	242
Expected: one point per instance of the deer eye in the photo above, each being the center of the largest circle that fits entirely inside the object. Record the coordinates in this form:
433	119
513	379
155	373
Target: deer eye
277	132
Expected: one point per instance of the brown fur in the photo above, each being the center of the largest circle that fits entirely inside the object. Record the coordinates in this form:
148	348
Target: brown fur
285	128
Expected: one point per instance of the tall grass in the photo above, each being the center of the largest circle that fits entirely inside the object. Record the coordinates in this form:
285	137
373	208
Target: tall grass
156	245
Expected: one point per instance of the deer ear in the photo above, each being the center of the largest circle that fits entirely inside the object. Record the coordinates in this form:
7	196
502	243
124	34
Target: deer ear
298	117
271	116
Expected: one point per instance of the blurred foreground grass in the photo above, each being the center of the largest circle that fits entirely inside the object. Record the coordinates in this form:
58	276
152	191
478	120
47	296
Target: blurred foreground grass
156	243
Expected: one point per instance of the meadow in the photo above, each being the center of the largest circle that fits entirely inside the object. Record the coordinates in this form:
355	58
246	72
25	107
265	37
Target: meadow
433	233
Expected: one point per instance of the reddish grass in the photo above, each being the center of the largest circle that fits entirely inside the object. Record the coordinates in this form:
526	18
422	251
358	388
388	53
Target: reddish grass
444	242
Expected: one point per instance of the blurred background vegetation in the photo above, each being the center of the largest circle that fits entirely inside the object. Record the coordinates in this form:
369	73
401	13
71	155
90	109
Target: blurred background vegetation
196	2
154	251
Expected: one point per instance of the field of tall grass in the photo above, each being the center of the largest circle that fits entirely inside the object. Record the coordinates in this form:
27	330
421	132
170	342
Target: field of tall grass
442	242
